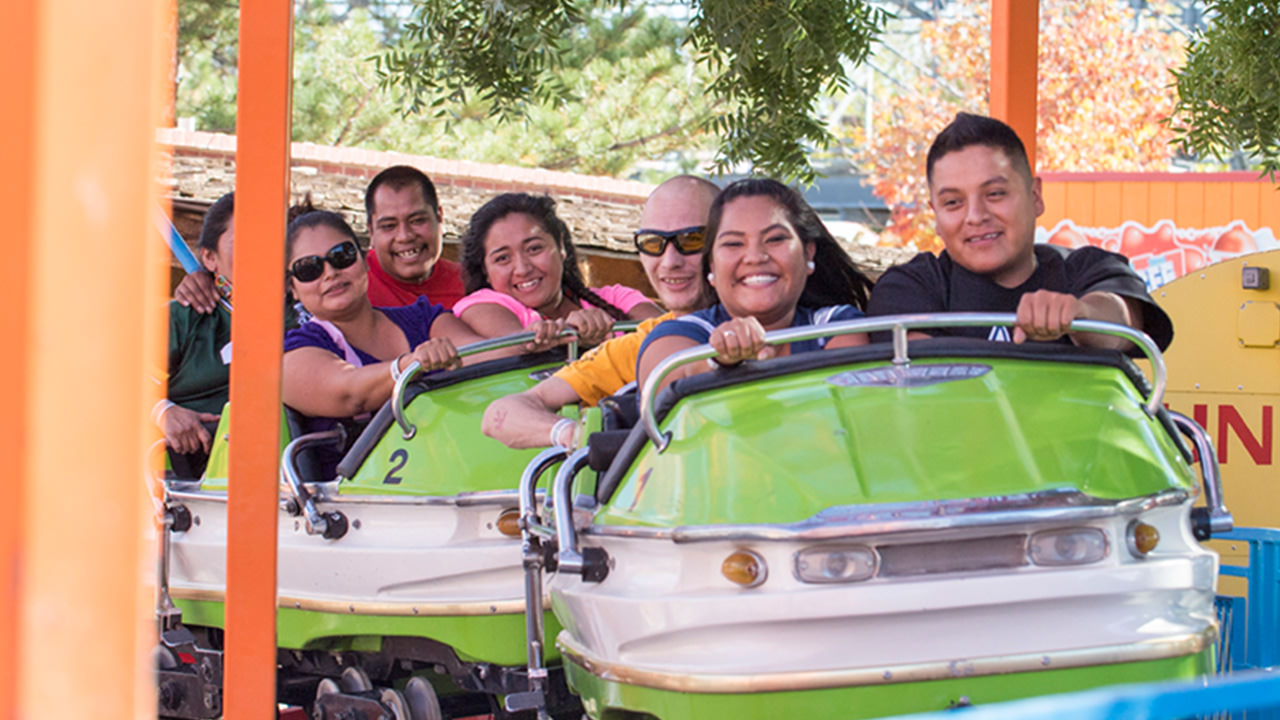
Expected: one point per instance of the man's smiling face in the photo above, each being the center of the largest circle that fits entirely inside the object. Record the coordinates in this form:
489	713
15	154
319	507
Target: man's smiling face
986	213
404	232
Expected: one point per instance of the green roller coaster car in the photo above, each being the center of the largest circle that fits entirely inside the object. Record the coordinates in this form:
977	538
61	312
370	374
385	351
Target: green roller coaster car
870	531
399	581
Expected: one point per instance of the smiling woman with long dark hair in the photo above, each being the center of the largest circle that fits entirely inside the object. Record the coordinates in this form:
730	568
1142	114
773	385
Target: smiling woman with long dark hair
771	264
520	267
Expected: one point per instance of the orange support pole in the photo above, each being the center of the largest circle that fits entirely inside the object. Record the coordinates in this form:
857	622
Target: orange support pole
1015	36
82	308
17	127
262	192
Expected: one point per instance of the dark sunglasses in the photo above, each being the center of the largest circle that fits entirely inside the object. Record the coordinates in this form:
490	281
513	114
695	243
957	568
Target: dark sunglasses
311	267
687	241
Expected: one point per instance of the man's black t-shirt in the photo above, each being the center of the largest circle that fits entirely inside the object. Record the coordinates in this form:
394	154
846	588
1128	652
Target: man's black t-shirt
930	283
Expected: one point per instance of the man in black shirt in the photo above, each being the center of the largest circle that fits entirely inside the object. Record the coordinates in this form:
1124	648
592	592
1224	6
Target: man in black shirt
987	202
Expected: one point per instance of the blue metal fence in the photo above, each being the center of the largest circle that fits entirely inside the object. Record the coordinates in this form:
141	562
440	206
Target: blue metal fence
1248	684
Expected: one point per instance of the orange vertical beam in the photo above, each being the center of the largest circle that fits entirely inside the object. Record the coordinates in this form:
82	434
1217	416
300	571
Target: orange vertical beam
262	191
17	128
1015	36
82	191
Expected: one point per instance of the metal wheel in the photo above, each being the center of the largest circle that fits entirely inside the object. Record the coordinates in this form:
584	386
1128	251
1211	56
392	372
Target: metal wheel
354	680
423	703
327	686
392	700
164	658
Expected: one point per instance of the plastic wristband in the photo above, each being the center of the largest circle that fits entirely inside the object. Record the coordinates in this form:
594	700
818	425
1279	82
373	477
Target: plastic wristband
558	429
395	368
158	411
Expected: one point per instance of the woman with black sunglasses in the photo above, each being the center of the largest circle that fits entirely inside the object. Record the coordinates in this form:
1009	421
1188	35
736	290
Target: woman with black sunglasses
345	361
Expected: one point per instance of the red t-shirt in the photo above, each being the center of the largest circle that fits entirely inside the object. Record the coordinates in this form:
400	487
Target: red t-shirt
443	286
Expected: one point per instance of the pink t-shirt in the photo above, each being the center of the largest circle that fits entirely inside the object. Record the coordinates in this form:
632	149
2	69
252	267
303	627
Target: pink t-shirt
620	296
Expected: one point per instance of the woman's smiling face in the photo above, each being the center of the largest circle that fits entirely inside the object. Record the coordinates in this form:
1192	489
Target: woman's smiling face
336	291
522	260
759	263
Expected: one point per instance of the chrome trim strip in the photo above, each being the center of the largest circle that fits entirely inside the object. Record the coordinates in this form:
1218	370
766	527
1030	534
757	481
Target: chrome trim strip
511	606
709	683
899	324
508	498
862	520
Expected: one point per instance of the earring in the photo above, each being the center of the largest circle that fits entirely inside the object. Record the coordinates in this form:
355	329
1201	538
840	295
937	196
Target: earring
711	277
811	265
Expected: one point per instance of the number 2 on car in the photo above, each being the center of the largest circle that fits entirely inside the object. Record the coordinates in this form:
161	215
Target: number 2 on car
398	460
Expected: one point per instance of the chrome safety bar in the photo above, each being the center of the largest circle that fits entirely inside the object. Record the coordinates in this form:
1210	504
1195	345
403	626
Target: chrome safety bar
292	481
506	341
899	325
1220	519
531	552
529	519
568	558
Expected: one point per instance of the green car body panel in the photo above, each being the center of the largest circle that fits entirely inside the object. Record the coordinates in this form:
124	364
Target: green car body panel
602	698
784	450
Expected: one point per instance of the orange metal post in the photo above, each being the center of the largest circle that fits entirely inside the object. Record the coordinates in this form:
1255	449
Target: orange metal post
17	126
1015	35
77	136
262	192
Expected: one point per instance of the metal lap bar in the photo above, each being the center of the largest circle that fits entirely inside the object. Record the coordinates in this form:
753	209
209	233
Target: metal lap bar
898	325
529	519
316	524
1220	519
506	341
569	559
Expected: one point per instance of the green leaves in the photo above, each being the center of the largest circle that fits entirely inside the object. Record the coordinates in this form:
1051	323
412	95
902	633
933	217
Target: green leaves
774	59
769	61
1229	91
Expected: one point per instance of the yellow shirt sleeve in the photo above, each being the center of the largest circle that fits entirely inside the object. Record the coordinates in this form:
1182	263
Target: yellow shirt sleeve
610	365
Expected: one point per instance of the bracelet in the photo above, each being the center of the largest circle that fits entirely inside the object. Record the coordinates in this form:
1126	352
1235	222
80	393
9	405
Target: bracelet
160	408
558	428
395	368
715	364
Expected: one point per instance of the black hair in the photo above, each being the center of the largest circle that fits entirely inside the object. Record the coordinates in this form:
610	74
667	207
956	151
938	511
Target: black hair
397	177
543	210
216	221
835	279
306	216
967	130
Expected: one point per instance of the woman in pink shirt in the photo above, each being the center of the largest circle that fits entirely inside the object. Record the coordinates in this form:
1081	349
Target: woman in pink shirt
519	267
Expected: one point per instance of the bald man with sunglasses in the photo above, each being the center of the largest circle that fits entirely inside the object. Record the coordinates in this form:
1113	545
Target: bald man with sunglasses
670	243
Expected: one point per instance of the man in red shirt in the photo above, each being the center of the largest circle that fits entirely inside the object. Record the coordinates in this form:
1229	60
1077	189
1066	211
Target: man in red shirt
404	237
404	218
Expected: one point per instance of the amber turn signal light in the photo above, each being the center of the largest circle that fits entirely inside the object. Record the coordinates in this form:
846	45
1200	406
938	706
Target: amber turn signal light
1143	538
509	522
745	568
